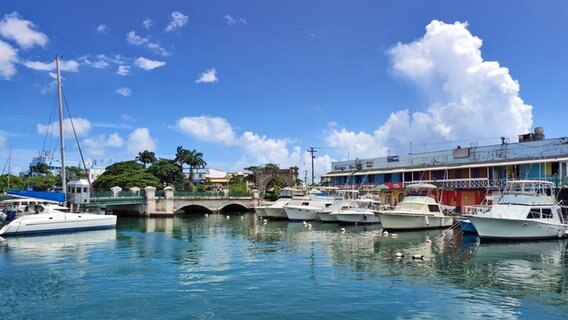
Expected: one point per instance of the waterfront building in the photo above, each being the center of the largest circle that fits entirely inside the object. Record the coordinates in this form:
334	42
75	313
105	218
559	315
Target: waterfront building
464	174
216	179
53	165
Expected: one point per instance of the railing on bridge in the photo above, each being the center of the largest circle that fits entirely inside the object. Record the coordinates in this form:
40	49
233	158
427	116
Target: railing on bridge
105	198
121	194
209	195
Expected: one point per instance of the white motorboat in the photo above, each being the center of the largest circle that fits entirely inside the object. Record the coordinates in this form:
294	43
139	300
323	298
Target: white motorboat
363	211
307	209
527	210
343	200
466	226
419	209
276	209
44	218
260	210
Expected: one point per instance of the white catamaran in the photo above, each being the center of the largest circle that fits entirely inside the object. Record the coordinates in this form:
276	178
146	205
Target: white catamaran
45	218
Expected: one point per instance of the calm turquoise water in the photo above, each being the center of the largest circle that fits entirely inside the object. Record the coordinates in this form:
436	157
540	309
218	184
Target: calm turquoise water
197	267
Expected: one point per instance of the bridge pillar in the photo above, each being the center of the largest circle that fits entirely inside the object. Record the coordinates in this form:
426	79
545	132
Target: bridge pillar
169	192
150	200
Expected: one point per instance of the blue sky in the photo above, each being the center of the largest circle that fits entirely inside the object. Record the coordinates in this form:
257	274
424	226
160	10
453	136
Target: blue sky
252	82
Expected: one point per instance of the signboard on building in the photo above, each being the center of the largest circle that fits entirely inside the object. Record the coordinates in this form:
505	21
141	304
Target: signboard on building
394	185
461	153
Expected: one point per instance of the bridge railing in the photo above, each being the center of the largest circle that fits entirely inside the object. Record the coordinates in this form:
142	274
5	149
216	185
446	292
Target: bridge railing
121	194
210	194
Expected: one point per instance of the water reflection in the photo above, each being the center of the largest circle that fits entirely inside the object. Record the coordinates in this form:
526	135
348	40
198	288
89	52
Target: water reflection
241	267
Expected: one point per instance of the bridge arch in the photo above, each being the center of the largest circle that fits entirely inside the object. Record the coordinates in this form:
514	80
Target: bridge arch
265	175
234	207
193	208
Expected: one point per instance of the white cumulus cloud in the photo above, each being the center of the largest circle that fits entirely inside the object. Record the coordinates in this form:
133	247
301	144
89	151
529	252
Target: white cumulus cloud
124	91
212	129
23	32
102	29
148	64
123	70
466	97
147	23
233	21
82	127
140	140
136	40
178	21
8	59
209	76
65	65
257	148
97	146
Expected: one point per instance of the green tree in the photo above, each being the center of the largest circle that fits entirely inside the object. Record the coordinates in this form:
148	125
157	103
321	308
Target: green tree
272	167
275	185
15	182
237	183
40	168
195	161
181	156
74	173
126	174
43	183
146	157
168	172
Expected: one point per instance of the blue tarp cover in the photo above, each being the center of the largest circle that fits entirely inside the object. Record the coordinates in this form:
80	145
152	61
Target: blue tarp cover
45	195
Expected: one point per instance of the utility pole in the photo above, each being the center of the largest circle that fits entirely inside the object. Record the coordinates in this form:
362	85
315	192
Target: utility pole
312	151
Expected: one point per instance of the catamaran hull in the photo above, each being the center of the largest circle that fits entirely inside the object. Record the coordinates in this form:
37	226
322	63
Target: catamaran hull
40	224
406	221
513	229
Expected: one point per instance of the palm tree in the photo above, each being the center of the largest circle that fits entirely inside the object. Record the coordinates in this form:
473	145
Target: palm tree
41	168
195	161
181	156
146	157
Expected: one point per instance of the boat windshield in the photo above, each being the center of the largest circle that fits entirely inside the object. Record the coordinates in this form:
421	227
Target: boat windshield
420	192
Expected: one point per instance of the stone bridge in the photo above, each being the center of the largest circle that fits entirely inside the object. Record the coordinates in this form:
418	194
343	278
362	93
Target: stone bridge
170	204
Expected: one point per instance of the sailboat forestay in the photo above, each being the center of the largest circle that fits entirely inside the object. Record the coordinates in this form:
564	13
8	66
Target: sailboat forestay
45	218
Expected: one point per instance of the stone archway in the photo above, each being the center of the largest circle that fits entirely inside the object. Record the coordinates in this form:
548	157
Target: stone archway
264	175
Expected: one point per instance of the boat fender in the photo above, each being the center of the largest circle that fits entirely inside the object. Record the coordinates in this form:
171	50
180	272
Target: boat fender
427	220
417	257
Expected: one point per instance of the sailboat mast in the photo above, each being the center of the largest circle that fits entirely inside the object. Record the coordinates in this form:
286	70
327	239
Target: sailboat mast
61	139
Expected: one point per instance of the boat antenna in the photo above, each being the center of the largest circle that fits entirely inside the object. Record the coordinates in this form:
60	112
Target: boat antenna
61	139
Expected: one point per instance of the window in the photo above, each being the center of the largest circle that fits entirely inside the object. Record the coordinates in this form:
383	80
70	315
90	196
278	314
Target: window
534	214
433	208
546	214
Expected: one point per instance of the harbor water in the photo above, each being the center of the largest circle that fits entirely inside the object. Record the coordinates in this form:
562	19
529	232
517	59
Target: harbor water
234	266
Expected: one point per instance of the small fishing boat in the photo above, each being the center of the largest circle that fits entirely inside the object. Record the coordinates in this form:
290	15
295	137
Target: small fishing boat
527	210
419	209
